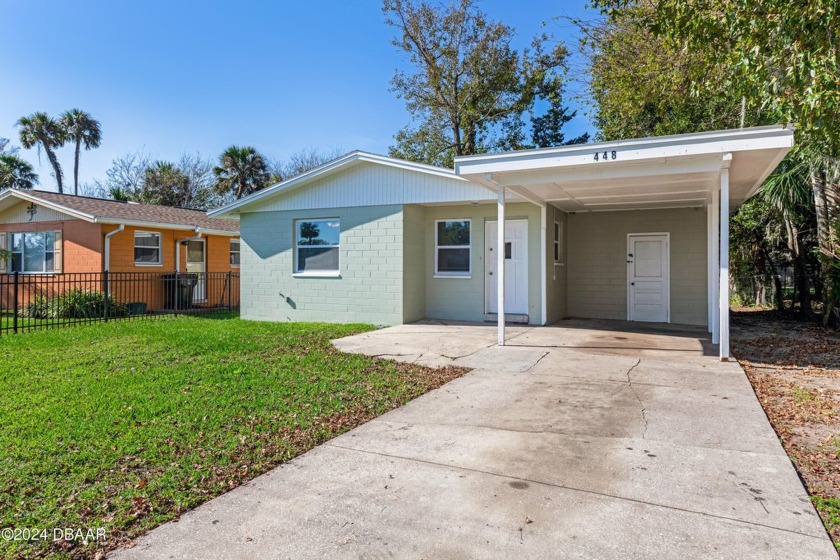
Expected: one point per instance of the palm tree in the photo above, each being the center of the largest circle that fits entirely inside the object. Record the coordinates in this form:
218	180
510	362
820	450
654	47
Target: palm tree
81	128
39	129
16	173
242	170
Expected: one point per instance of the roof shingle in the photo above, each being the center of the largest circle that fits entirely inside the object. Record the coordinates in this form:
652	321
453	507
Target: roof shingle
129	211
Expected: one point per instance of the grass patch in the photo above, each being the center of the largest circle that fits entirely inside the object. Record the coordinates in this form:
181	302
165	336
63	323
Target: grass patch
829	509
126	425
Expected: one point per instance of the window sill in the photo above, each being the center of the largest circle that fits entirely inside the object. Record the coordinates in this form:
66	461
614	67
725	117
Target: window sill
149	265
454	276
324	274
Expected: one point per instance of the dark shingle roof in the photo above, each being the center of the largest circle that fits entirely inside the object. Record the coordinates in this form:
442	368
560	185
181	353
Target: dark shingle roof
128	211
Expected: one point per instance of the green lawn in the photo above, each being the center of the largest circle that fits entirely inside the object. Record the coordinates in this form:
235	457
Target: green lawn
125	425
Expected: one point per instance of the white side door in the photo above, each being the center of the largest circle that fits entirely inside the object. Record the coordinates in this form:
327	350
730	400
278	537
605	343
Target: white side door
648	278
197	262
516	267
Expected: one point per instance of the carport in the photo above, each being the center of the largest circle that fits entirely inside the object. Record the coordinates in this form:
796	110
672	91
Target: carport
712	171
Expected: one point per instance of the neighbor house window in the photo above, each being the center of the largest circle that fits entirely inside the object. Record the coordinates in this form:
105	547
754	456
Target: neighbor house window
32	252
558	243
317	245
234	253
452	248
147	248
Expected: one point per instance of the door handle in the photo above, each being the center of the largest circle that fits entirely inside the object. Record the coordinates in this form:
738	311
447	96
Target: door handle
490	273
632	283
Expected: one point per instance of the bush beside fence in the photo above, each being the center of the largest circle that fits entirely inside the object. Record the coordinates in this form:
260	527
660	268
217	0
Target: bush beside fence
41	301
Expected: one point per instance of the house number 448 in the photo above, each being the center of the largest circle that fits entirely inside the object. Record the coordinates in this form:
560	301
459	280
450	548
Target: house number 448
605	156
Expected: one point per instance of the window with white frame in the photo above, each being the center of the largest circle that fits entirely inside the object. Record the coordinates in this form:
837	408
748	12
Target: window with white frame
317	245
452	248
32	252
234	253
147	250
558	243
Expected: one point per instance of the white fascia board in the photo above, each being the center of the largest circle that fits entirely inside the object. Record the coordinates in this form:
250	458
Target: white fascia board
231	210
636	150
770	169
219	232
23	195
660	167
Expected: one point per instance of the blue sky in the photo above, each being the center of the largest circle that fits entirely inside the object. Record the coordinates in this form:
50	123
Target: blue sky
170	77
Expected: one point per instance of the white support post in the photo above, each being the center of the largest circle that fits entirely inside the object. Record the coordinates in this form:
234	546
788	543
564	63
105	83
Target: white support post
715	266
500	265
710	267
724	258
543	265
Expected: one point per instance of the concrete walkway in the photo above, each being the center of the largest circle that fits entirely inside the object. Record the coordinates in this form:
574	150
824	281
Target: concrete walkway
587	439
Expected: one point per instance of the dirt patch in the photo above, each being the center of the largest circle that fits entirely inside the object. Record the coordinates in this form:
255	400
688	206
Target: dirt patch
794	368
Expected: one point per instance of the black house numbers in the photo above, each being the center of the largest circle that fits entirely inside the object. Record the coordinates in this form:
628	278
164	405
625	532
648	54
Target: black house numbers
606	156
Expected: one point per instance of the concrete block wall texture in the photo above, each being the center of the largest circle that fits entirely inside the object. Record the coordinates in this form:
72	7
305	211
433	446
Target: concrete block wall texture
368	290
463	299
414	267
597	261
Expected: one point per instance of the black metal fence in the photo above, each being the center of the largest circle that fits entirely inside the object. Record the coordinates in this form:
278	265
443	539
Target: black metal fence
43	301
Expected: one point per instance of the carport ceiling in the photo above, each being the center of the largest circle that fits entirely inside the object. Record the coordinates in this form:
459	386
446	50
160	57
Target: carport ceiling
665	172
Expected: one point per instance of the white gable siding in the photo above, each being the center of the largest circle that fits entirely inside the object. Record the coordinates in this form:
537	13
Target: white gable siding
17	214
368	184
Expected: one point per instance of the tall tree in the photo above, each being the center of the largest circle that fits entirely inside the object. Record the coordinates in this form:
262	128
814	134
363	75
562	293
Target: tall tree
39	129
242	170
466	77
16	173
166	185
81	129
300	162
781	56
547	129
124	179
653	96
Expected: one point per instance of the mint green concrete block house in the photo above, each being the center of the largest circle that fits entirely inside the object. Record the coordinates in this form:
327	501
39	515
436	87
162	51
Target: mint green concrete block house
634	230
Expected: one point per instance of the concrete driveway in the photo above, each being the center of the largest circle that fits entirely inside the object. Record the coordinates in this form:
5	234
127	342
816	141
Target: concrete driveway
586	439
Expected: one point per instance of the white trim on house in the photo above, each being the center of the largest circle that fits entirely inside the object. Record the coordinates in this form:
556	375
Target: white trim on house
314	273
348	160
438	246
159	261
648	173
14	193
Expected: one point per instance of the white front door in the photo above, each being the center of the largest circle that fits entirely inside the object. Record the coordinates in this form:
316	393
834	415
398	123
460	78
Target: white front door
516	267
648	278
196	262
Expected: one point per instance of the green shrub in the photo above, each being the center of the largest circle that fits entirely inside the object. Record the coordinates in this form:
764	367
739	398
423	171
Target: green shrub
75	304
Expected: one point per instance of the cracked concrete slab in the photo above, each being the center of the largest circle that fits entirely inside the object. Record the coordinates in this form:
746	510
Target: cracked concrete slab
506	358
644	447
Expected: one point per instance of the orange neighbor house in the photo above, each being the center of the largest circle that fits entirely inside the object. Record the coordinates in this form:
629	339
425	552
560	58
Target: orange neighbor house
77	238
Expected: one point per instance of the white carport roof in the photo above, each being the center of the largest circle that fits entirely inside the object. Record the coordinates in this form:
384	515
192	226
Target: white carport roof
659	172
719	170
